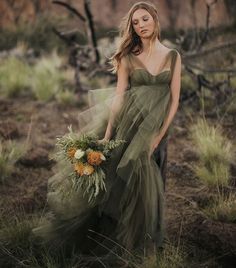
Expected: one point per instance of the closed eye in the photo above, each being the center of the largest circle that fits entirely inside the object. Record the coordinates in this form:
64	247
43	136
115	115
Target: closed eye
135	22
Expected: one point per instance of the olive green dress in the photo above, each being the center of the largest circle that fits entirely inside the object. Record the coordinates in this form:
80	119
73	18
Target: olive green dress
132	209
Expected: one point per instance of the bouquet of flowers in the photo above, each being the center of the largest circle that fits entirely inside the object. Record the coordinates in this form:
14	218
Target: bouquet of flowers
88	159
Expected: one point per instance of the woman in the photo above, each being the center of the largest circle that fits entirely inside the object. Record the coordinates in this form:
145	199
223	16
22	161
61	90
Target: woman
152	73
144	104
140	33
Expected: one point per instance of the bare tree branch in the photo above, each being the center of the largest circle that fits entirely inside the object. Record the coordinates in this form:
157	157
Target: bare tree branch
211	70
78	53
193	54
70	8
90	30
204	38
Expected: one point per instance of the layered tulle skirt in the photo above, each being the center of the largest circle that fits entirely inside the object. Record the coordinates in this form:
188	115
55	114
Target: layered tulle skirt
131	210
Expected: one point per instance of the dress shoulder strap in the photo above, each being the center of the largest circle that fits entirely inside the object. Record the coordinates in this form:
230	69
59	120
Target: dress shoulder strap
130	62
174	54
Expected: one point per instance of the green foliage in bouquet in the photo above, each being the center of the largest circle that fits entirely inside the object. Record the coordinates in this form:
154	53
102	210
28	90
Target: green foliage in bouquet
88	160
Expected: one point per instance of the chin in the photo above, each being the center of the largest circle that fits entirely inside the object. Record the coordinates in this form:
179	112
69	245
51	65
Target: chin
146	35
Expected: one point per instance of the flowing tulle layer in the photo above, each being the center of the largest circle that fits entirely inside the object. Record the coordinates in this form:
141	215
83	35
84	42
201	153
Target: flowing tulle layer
140	207
134	197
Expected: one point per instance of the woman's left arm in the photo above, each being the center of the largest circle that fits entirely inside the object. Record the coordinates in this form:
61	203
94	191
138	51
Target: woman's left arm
175	86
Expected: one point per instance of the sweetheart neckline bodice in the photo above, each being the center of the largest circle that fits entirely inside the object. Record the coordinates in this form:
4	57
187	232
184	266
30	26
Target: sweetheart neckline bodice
153	75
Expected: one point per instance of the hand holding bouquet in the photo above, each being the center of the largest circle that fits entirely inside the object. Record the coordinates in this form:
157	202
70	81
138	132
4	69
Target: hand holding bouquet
88	157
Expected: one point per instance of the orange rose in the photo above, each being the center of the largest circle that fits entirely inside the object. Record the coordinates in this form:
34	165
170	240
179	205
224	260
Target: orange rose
94	158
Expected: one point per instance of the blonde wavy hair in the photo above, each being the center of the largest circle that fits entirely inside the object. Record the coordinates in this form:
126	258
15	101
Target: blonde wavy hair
129	40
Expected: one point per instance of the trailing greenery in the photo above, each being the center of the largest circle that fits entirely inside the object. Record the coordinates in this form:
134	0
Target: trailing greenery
91	186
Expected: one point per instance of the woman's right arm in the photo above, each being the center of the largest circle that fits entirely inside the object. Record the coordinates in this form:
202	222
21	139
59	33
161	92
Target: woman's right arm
122	84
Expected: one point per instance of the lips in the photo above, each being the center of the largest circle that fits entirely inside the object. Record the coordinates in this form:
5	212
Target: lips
143	31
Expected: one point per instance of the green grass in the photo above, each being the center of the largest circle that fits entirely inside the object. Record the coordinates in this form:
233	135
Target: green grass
48	79
214	151
15	230
213	173
223	208
187	83
19	248
66	98
45	80
10	153
171	256
14	77
96	81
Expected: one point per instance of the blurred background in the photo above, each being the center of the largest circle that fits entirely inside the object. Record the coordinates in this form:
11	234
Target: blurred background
52	53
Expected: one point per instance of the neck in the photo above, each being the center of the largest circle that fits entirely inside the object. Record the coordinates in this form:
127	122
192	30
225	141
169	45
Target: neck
146	44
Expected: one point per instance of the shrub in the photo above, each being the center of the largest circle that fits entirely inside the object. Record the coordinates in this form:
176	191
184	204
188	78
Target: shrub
66	98
47	79
223	208
10	153
214	151
14	77
171	256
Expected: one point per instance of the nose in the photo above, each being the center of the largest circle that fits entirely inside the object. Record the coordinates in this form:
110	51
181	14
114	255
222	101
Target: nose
141	24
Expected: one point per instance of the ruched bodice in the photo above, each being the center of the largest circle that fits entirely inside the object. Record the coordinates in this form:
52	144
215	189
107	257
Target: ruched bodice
140	77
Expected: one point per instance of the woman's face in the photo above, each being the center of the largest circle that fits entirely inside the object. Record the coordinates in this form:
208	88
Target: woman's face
143	23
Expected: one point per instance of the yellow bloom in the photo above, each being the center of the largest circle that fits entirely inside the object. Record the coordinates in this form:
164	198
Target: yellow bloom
79	168
88	169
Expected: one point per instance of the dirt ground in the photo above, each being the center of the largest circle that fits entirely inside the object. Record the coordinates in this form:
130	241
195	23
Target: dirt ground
208	243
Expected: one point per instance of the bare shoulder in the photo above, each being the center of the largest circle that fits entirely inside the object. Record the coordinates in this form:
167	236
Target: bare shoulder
172	52
169	49
123	69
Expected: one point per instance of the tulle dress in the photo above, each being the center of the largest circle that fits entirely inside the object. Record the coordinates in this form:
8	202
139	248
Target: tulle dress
131	210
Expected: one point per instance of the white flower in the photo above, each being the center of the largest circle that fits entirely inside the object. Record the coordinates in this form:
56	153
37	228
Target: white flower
103	157
79	153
